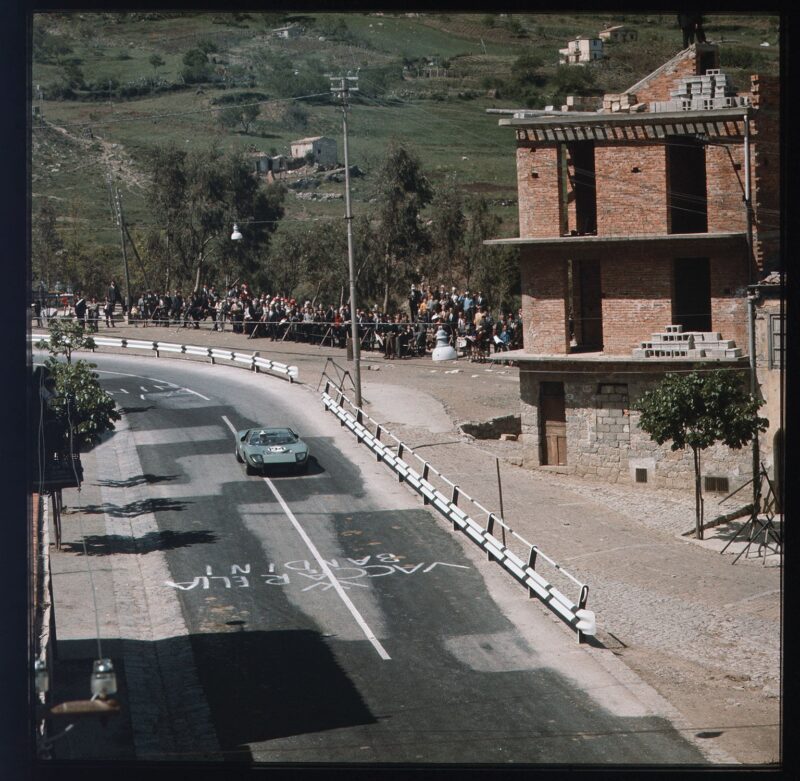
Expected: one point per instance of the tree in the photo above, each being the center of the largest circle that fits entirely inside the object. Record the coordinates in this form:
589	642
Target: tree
47	246
81	406
403	191
242	115
196	67
700	410
447	233
195	198
65	336
157	62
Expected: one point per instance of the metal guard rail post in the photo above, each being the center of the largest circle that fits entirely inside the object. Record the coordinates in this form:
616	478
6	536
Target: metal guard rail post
573	613
253	360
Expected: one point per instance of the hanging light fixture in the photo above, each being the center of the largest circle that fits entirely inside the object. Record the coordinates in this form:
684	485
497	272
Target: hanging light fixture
236	235
104	680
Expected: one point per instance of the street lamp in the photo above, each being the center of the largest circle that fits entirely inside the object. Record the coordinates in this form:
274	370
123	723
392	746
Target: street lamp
236	235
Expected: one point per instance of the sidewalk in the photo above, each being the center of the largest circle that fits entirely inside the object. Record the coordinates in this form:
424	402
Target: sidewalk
705	634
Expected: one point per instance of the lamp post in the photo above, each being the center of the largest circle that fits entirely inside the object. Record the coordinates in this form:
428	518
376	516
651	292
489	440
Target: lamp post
344	89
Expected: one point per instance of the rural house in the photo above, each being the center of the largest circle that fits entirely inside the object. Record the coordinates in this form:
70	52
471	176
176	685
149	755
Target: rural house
637	250
323	148
618	34
582	49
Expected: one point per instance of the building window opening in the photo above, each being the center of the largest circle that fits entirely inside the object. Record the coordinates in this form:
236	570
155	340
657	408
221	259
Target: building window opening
718	485
587	305
691	294
584	186
687	199
641	475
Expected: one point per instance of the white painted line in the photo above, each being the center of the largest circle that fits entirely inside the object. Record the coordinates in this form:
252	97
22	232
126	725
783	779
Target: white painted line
144	389
327	570
122	390
189	390
141	396
138	376
323	565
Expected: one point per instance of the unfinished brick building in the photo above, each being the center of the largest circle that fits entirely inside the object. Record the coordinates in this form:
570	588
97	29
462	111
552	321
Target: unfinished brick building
636	250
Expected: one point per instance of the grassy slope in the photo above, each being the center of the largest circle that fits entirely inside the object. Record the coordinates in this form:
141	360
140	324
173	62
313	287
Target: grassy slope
452	136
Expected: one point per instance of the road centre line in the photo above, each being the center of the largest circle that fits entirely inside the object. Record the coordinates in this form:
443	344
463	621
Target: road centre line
189	390
327	570
323	565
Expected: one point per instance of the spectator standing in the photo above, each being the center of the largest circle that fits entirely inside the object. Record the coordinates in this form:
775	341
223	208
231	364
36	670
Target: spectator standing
80	309
108	310
414	299
113	295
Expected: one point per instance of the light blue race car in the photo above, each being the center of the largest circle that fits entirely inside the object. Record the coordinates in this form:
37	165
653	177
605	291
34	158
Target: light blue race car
261	448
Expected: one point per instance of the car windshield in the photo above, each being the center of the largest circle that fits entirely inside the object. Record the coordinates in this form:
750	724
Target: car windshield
283	437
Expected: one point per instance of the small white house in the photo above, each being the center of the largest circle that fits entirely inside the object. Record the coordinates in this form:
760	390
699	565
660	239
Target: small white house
618	34
581	49
291	31
323	148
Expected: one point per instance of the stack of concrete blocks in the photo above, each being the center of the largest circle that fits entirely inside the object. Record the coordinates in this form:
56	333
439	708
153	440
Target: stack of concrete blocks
581	103
701	93
625	101
674	342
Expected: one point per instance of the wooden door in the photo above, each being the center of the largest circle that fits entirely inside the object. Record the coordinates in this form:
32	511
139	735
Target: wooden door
554	424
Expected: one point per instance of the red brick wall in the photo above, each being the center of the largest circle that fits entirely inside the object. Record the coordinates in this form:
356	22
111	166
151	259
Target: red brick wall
766	170
538	188
631	203
636	302
657	87
729	277
725	188
544	303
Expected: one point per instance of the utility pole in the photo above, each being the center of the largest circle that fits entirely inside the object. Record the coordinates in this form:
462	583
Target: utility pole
116	202
340	86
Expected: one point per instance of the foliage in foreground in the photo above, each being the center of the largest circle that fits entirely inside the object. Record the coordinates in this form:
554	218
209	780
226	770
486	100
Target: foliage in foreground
83	408
700	410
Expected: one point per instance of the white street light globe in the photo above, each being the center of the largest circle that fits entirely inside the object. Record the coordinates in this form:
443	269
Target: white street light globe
236	235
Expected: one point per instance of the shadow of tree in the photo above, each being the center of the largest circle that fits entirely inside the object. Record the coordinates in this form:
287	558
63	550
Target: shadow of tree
134	509
138	480
107	544
129	410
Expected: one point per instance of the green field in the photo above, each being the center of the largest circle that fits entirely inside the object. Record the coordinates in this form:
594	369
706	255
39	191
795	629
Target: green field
443	120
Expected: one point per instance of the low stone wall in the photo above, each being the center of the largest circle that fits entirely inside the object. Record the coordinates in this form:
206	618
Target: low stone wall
494	428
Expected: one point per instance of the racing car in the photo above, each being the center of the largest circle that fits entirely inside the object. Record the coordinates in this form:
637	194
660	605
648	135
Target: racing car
261	448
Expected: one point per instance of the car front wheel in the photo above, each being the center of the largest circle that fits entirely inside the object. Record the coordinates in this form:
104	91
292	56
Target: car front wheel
238	457
251	470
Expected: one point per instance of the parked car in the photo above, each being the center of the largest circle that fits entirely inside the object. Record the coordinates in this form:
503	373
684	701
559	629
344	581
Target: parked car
261	448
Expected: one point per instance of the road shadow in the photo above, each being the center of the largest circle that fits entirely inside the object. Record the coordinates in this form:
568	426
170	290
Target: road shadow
134	509
132	410
255	686
148	479
108	544
286	682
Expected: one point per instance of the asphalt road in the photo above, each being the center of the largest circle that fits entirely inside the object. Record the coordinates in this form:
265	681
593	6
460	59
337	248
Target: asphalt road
330	617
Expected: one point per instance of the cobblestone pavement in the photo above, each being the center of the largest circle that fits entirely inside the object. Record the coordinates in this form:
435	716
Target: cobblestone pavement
704	633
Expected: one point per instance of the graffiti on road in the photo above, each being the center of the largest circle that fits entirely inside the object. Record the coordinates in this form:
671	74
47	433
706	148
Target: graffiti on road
349	573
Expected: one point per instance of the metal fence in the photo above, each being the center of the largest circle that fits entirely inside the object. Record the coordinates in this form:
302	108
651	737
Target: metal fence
445	499
252	360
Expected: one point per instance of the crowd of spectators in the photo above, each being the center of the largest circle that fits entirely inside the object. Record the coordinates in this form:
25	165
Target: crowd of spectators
465	318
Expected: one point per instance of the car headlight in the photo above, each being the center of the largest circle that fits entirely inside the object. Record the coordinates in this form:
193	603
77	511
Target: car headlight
257	458
300	455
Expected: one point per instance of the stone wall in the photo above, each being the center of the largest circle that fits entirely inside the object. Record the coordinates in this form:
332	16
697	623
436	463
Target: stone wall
604	441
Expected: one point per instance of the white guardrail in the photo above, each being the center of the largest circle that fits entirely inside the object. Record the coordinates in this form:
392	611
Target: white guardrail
572	612
254	361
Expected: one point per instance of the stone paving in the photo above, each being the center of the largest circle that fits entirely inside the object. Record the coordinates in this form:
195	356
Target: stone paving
705	634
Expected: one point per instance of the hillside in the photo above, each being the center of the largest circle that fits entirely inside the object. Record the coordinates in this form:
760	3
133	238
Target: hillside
113	85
